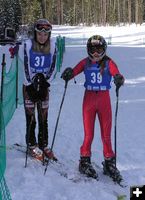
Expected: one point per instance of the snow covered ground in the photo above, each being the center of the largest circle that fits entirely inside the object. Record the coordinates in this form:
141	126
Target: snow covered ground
30	183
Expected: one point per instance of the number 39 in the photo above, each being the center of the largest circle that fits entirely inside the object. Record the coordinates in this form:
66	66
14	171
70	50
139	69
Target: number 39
96	77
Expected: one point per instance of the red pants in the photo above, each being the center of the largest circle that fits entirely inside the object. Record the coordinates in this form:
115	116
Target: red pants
97	103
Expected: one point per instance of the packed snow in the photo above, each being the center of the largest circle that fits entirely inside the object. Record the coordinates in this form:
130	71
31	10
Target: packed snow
127	50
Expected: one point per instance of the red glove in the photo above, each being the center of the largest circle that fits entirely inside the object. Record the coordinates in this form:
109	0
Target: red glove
11	50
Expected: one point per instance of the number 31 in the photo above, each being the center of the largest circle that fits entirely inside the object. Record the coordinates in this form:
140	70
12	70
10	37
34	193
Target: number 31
39	61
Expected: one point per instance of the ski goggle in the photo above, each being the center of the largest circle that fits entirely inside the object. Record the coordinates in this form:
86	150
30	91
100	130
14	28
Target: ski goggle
97	49
43	28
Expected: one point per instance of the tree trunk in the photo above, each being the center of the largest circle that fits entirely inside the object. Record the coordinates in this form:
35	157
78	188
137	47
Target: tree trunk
74	13
136	11
83	12
118	11
129	12
59	11
104	14
43	8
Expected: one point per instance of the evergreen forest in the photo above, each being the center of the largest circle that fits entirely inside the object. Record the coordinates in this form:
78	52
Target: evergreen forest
74	12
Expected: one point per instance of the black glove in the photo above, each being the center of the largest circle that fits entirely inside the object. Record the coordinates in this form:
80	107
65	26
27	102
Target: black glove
39	82
38	90
67	74
32	93
118	80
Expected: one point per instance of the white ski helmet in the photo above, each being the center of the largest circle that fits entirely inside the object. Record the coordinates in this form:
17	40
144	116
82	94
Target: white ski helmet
42	25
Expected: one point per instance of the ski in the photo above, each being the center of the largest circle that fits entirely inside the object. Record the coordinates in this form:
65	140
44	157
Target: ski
59	167
116	182
122	197
22	148
74	176
120	183
78	177
56	165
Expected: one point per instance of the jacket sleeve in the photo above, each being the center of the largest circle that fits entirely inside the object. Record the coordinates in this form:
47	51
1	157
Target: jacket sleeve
53	61
26	59
113	68
79	67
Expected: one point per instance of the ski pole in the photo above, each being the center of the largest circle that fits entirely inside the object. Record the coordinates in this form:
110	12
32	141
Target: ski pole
2	77
1	95
41	123
65	88
115	126
29	129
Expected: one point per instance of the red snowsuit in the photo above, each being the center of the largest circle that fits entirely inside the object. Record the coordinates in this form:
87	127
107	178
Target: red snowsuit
96	102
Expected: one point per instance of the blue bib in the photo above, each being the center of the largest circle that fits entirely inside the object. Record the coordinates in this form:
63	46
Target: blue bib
39	62
94	79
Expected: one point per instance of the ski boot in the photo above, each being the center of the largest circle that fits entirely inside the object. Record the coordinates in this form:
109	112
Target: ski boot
111	170
86	168
49	154
36	153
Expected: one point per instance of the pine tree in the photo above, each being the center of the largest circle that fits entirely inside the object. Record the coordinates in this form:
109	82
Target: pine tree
17	15
10	14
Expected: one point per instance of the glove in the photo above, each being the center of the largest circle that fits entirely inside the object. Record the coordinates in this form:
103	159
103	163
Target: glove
39	82
32	93
11	50
118	80
67	74
38	90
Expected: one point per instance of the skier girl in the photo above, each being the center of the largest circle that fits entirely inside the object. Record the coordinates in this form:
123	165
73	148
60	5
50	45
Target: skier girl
39	64
99	70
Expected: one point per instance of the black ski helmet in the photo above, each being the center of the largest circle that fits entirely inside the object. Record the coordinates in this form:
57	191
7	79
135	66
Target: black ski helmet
94	44
42	25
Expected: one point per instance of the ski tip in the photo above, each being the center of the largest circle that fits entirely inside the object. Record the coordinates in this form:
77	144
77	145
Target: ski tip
121	197
121	184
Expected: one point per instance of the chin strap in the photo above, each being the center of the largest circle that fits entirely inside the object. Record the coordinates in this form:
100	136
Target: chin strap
95	59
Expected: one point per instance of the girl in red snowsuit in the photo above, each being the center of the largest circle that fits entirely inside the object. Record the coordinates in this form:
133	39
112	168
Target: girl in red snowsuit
97	102
99	70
